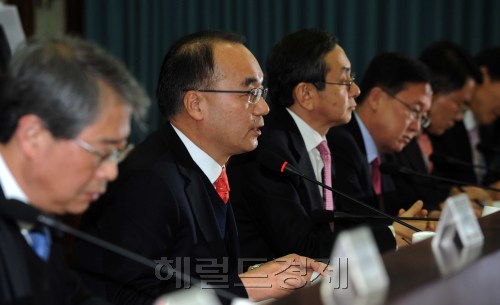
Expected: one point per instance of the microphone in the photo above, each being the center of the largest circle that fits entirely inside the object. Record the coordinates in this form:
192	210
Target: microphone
484	148
17	210
274	162
325	216
394	169
442	159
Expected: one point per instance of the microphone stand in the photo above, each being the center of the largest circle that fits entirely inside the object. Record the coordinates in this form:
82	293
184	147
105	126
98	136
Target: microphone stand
30	214
355	200
341	216
407	171
50	222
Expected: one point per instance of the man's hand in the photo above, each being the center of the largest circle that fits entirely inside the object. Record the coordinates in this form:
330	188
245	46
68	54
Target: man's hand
477	196
431	225
280	277
404	233
495	195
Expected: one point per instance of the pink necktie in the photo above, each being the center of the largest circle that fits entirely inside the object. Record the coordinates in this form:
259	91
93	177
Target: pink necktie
376	179
426	147
477	157
222	185
324	152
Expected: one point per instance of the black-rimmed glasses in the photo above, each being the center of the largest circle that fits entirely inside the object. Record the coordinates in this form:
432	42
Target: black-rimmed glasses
348	83
415	114
254	95
114	154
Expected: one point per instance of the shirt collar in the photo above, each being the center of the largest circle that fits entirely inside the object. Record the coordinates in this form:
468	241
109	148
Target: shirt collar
469	120
371	148
12	190
207	164
311	137
10	187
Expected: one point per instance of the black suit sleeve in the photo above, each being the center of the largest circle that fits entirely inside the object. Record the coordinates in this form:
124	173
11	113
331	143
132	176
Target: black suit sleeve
138	218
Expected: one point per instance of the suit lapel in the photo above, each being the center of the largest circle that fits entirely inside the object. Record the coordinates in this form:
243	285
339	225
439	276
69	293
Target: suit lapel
354	128
415	158
303	162
196	194
14	282
387	182
231	228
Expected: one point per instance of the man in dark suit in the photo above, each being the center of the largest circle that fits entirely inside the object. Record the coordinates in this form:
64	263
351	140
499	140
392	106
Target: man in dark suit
395	97
453	78
168	203
312	89
460	142
65	111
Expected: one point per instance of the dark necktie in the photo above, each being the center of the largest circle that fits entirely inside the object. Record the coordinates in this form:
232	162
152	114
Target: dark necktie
376	178
222	185
324	152
40	241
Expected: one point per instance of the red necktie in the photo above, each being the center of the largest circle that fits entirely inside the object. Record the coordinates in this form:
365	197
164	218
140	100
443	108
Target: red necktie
222	185
376	179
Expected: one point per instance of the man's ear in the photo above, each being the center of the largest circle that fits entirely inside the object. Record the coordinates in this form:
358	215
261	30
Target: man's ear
194	104
485	73
304	95
374	98
30	134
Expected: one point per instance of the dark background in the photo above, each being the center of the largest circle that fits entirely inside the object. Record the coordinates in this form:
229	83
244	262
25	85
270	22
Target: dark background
140	31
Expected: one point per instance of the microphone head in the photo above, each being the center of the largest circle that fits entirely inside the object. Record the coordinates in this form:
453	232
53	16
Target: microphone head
390	168
17	210
274	162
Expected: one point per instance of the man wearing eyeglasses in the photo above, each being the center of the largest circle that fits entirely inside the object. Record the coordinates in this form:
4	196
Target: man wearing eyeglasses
172	200
312	89
392	108
455	79
482	108
65	112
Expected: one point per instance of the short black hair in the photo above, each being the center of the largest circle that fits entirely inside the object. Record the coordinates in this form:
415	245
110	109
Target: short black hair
451	66
298	57
490	58
392	71
189	64
56	78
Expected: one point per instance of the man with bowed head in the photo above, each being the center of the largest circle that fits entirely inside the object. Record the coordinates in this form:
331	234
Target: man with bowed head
395	98
454	78
65	112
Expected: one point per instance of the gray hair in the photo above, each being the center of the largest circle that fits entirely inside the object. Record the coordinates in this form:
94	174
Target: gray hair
57	80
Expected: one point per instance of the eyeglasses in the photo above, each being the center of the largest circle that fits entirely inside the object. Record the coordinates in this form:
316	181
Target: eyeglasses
348	83
254	95
114	154
461	106
424	120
